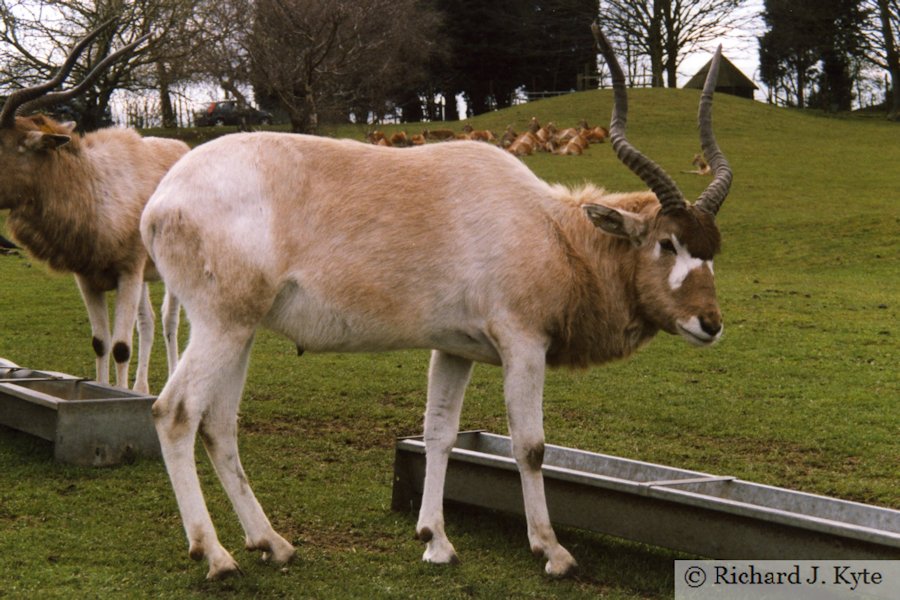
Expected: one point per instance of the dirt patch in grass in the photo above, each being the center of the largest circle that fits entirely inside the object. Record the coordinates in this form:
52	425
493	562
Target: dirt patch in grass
338	537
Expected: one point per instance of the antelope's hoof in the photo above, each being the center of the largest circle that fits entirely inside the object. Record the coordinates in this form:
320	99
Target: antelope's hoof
561	564
277	550
223	568
440	552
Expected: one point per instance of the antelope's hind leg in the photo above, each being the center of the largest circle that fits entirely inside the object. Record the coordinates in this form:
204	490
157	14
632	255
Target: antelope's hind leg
218	430
203	395
448	377
171	312
145	327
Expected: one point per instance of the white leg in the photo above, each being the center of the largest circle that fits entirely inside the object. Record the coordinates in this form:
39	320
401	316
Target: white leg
214	364
171	310
448	377
128	296
95	302
523	383
145	324
218	430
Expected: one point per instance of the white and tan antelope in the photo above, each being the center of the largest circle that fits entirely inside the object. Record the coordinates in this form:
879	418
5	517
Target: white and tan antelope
457	248
75	202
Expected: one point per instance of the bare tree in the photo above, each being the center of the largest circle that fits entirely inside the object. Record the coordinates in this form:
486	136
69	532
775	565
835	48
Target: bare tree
318	56
665	31
883	39
35	32
222	29
170	56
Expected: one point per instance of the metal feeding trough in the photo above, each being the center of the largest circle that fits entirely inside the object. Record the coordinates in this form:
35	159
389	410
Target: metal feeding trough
707	515
89	423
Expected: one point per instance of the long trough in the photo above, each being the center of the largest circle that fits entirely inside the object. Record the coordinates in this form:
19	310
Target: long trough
708	515
89	423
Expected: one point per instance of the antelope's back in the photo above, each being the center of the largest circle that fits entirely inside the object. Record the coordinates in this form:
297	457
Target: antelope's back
384	233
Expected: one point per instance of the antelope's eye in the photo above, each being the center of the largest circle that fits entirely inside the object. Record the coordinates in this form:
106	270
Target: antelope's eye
667	246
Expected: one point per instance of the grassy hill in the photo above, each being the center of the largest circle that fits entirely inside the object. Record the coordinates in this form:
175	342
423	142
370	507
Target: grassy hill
801	393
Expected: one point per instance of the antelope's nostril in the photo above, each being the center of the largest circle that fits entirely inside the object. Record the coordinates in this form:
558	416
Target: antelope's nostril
711	327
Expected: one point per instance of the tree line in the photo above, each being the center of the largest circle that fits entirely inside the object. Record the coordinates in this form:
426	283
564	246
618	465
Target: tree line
814	52
332	60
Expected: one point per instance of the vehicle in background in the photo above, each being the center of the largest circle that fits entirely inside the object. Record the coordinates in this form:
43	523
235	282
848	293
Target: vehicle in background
231	112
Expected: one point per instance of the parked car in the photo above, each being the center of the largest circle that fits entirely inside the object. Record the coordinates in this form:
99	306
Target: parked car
231	112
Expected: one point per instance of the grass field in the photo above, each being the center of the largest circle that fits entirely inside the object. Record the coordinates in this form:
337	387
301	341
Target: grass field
801	393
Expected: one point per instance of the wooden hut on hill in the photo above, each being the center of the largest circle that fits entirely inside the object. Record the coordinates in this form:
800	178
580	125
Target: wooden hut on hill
731	80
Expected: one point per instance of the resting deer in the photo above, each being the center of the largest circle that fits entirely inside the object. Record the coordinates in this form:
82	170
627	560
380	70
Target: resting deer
476	258
523	145
76	201
509	136
702	167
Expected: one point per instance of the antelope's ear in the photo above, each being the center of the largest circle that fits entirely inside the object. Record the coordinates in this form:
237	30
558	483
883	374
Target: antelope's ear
619	223
38	141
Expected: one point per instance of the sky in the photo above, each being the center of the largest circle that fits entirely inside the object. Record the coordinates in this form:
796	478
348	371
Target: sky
740	46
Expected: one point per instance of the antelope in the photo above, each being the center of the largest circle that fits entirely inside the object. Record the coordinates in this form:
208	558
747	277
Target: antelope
479	135
524	145
478	260
574	146
702	167
76	201
439	135
545	137
508	137
564	136
378	138
594	135
399	139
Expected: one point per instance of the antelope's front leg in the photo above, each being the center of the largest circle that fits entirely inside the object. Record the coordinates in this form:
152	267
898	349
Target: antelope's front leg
95	303
523	383
448	377
128	297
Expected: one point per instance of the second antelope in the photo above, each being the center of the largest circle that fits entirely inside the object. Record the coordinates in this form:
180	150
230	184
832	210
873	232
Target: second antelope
75	201
457	248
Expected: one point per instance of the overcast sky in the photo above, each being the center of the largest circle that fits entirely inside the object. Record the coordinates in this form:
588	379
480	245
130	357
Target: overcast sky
740	46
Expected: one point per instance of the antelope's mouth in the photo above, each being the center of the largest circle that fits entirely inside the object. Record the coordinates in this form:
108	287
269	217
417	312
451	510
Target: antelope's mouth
693	331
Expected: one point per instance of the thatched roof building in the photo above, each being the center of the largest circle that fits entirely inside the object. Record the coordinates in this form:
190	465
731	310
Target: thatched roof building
731	80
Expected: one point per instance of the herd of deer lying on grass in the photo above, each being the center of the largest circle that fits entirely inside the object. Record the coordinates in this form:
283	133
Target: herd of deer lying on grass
570	141
457	248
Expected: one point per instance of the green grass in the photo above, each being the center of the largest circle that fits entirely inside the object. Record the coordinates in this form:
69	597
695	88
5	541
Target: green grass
801	393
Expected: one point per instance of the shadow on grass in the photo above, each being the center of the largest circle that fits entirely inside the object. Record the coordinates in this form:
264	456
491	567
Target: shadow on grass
604	562
18	448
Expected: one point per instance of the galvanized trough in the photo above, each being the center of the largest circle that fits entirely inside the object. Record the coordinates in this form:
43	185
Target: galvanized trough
706	515
88	423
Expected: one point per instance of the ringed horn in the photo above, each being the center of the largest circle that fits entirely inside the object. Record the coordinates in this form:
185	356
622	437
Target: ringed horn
670	197
31	99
